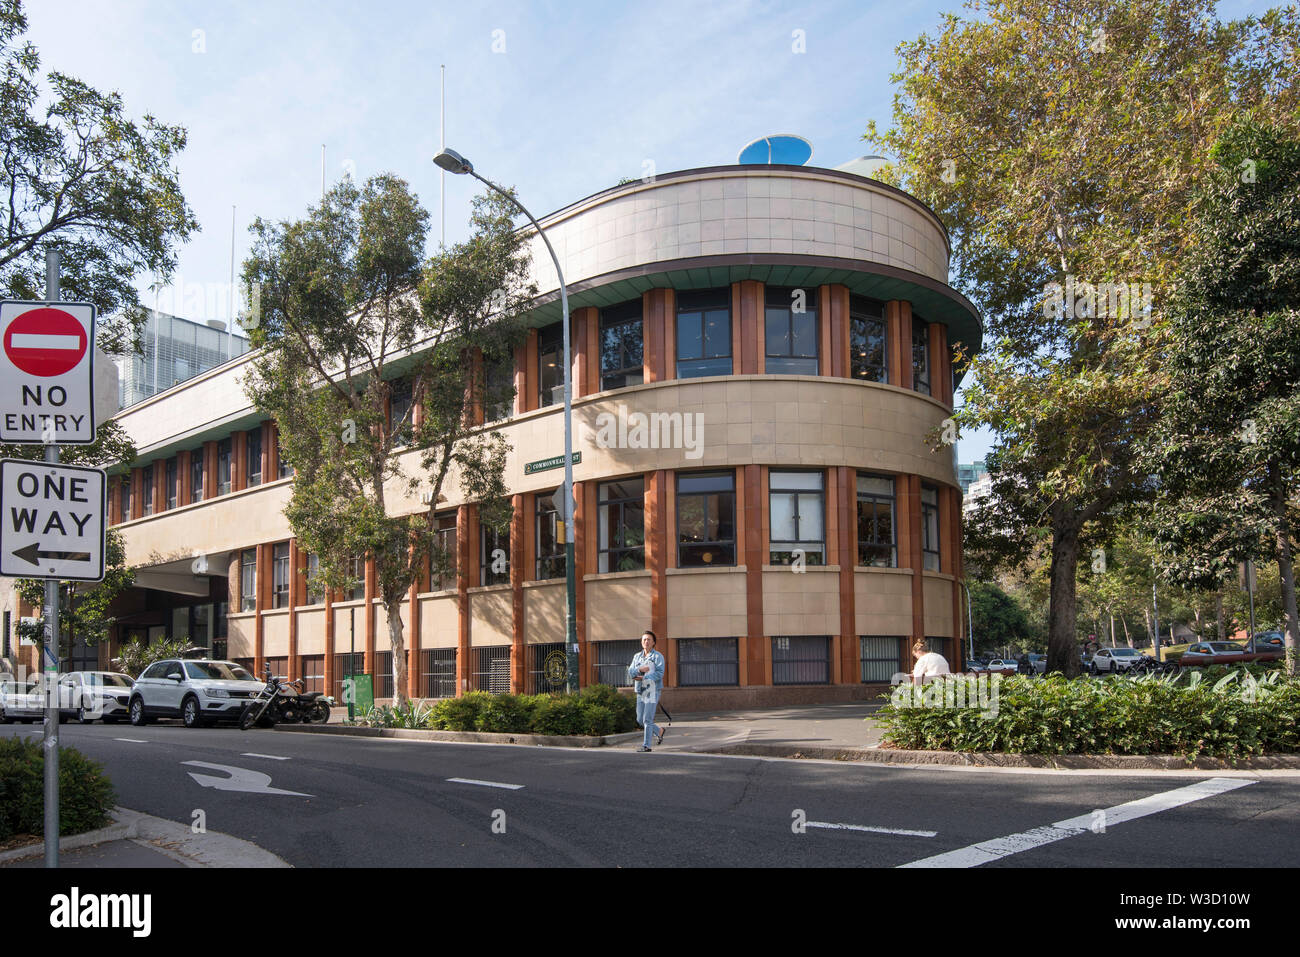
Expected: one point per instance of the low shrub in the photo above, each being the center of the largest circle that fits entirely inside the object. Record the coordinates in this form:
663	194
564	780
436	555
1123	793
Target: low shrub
597	710
85	794
459	714
1235	716
620	704
562	714
506	714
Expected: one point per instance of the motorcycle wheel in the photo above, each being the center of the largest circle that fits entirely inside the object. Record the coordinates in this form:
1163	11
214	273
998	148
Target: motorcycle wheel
247	718
320	712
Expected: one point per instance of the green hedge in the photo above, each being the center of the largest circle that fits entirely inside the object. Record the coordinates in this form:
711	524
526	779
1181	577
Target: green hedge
85	794
596	710
1235	716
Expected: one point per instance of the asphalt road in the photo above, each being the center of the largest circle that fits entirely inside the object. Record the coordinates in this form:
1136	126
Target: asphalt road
387	802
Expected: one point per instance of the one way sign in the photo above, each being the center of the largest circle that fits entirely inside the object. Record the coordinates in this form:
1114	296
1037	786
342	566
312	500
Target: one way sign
52	521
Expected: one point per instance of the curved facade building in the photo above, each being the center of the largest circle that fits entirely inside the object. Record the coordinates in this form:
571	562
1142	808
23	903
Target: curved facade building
760	354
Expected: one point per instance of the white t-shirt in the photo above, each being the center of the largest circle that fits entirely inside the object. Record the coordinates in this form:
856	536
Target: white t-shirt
930	664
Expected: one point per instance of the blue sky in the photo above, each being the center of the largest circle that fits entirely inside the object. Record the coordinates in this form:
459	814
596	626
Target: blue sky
558	99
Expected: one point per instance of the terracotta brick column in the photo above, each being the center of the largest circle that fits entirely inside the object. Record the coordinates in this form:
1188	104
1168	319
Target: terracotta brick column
749	496
584	497
466	569
656	561
413	639
909	520
209	470
368	618
263	579
137	493
940	364
838	324
518	562
238	461
586	351
747	335
659	325
847	559
959	570
531	383
270	451
182	478
329	642
295	599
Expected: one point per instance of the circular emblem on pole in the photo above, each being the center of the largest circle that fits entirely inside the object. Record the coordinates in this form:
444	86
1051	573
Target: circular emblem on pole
45	342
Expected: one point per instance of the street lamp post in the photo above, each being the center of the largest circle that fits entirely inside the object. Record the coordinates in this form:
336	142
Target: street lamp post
453	162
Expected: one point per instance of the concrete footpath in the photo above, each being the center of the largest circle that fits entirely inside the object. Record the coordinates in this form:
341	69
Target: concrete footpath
794	731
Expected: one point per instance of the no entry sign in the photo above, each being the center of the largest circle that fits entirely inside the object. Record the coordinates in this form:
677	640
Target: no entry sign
51	521
47	366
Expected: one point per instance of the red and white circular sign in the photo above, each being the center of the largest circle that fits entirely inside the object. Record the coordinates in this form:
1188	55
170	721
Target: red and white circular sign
45	342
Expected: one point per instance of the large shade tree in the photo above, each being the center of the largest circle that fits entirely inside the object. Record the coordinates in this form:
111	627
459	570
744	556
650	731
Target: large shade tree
1062	144
347	304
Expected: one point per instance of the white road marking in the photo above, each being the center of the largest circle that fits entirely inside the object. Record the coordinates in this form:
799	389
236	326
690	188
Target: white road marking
873	830
35	340
133	740
1000	847
486	784
241	779
269	757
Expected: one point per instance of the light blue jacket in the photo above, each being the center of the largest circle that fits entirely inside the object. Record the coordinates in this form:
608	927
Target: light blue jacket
655	674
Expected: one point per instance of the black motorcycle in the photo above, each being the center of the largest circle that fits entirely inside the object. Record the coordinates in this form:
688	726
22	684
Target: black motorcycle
284	701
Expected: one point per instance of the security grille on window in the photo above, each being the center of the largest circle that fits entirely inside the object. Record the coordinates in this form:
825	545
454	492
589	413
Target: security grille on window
703	333
438	673
400	413
280	576
223	467
550	553
790	325
384	672
707	661
920	355
253	467
546	673
344	665
622	525
797	515
801	660
930	527
550	366
248	579
494	556
196	475
706	519
612	660
867	340
621	347
880	656
443	559
172	482
876	545
490	669
147	486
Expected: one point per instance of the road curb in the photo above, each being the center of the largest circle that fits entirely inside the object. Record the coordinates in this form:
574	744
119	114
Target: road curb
114	832
973	759
472	737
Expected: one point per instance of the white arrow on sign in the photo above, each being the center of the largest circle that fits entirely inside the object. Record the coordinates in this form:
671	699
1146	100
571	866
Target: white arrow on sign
241	779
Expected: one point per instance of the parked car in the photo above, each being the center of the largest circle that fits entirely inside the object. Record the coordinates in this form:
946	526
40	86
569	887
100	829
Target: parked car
199	692
1039	662
21	699
1204	653
1268	645
1002	667
87	695
1115	660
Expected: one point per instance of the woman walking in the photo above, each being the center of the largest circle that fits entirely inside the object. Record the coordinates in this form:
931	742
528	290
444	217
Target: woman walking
647	673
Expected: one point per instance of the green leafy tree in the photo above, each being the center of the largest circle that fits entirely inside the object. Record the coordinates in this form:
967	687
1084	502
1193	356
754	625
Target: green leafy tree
1228	449
997	619
1062	145
346	304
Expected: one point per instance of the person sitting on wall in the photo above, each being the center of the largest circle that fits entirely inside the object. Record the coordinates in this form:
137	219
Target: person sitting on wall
929	664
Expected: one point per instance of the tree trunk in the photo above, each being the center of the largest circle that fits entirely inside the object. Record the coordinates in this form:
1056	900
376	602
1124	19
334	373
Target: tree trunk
1286	570
1218	615
397	641
1127	637
1062	641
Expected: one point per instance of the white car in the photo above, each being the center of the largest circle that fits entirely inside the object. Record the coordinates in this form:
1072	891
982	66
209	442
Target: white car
87	695
1114	660
21	699
199	692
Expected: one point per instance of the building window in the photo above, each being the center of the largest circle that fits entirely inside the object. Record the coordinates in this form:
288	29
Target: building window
621	544
443	560
706	519
867	340
196	475
797	513
173	477
550	366
124	497
400	412
315	586
621	350
930	527
438	673
703	333
707	661
223	467
312	670
876	545
881	657
346	665
356	587
498	387
253	467
494	556
490	669
280	576
612	660
920	355
384	672
248	579
147	485
801	660
550	551
791	330
282	468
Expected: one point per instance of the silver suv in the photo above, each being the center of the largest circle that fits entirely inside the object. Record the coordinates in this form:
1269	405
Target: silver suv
200	692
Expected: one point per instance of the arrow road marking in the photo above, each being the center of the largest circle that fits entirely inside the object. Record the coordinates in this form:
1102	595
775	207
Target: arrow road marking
486	784
873	830
241	779
1000	847
254	754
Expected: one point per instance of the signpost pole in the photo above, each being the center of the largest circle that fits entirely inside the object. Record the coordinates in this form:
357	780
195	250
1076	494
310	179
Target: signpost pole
51	650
